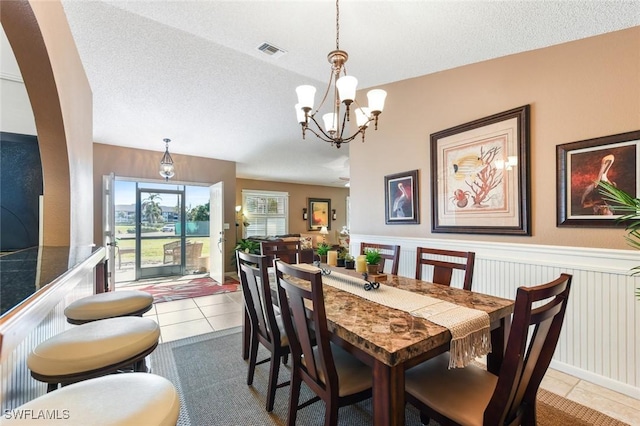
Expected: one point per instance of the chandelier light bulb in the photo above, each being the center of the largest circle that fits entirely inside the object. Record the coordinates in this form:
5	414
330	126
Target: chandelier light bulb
376	100
330	122
363	116
347	88
306	95
300	114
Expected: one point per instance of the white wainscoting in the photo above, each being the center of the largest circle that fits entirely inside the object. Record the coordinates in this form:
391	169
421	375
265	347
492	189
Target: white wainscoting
599	342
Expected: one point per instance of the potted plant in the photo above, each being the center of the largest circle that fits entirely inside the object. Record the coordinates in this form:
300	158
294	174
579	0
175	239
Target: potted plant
322	250
342	253
373	259
349	261
247	246
629	207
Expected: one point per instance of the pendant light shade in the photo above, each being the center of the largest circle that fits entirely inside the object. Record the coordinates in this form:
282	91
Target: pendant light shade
166	163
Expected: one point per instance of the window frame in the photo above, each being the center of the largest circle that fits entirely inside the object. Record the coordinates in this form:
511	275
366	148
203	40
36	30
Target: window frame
247	215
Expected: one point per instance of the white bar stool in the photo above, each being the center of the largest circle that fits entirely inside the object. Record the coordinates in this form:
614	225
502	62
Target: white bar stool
117	400
108	305
94	349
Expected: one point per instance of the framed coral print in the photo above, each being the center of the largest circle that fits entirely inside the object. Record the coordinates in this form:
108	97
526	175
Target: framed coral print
480	176
319	214
401	198
581	165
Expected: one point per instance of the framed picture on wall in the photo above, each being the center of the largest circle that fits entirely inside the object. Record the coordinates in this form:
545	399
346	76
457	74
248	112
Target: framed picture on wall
480	176
401	198
319	214
581	165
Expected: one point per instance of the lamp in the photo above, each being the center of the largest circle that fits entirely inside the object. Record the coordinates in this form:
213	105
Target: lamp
344	91
166	164
333	214
511	162
324	232
304	214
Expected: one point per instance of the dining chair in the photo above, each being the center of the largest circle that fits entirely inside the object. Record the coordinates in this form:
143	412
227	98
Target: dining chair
387	251
443	270
333	374
472	395
266	327
287	251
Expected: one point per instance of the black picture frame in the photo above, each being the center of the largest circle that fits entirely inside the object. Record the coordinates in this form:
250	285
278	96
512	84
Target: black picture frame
581	165
319	213
401	195
480	176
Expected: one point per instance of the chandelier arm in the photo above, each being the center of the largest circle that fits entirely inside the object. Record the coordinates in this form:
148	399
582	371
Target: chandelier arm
326	93
325	136
352	137
345	118
322	136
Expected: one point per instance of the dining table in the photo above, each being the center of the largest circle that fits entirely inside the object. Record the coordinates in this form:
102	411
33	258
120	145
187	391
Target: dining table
392	340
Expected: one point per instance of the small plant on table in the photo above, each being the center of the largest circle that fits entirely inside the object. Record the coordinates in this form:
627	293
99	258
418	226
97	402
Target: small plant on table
373	258
322	250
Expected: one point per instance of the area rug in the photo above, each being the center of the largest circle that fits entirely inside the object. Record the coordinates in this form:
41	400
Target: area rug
177	289
210	375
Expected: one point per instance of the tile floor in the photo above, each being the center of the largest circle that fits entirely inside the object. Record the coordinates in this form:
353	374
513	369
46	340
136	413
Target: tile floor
191	317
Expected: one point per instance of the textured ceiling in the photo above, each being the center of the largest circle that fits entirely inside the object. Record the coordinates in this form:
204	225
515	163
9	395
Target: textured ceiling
191	71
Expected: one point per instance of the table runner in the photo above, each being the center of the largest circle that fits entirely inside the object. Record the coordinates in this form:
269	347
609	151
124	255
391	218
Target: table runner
469	327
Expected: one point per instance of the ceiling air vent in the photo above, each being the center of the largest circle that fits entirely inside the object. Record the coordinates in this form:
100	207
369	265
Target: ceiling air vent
271	50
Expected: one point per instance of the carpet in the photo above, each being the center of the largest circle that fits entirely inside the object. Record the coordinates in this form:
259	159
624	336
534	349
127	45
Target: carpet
187	288
210	375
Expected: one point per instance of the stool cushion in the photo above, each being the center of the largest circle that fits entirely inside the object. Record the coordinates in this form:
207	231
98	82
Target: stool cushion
119	399
93	345
109	305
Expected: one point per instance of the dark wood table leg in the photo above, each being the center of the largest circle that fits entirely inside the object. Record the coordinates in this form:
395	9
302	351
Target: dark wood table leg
388	395
498	344
246	335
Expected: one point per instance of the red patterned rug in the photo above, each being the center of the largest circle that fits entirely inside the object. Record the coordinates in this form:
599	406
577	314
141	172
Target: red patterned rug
168	291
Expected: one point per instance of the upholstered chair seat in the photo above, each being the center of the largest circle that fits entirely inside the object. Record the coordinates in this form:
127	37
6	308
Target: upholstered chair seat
463	393
94	349
115	400
354	376
108	305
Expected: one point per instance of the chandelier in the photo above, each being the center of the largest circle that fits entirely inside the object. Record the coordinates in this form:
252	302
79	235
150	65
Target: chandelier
343	89
166	164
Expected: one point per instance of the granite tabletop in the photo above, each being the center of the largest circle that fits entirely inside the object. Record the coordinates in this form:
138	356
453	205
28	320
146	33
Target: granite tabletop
393	336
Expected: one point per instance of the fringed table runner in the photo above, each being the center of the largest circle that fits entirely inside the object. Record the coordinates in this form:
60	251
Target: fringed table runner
469	327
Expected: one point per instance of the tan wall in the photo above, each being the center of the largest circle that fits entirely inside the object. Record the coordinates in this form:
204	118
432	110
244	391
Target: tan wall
578	90
141	164
298	195
61	100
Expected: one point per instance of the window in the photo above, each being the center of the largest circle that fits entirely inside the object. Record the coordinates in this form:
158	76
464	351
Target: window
265	213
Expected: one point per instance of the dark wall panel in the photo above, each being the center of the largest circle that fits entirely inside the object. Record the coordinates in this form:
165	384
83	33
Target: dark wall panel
20	186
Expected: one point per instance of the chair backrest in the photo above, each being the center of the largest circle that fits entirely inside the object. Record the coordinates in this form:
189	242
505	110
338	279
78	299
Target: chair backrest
387	251
287	251
194	251
532	341
305	321
252	270
443	270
